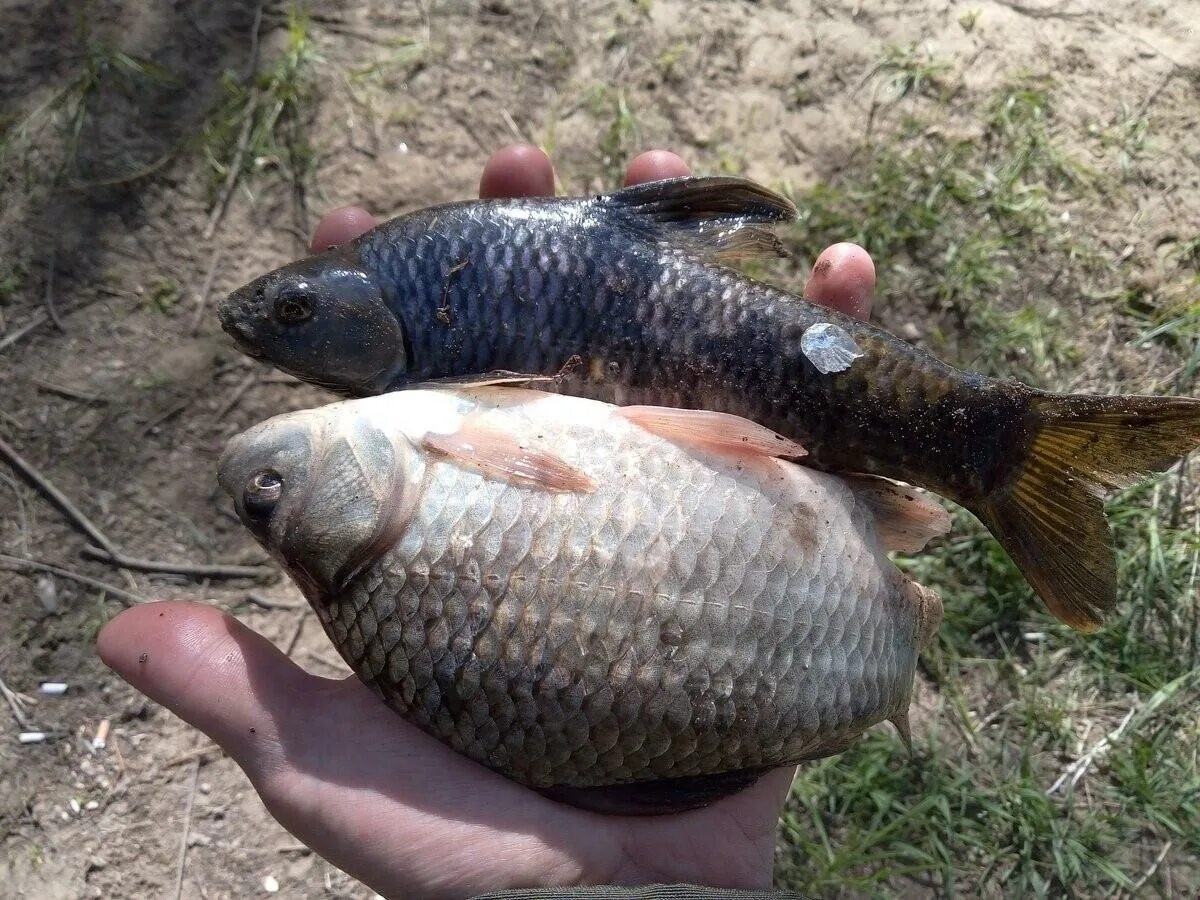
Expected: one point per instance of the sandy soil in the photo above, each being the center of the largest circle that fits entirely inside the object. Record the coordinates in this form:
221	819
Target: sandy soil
126	407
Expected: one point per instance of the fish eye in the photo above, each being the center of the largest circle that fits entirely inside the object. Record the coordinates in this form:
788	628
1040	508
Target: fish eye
292	306
262	493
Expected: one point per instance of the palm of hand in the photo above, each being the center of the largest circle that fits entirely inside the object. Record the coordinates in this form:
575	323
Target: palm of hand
392	806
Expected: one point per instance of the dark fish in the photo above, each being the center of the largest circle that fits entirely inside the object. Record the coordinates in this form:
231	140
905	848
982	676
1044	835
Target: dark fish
625	298
600	604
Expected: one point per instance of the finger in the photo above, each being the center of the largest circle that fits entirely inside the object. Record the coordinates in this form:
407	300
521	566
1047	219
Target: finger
655	165
843	277
518	170
212	671
340	225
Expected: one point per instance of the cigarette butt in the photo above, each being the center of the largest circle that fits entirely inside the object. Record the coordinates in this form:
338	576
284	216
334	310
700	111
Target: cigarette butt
33	737
100	741
54	688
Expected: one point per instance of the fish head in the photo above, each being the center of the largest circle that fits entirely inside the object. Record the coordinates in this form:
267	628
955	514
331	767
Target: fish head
325	320
325	491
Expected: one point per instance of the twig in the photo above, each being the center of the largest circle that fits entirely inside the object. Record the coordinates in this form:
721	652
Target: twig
16	704
193	570
48	297
259	600
13	336
235	166
1149	873
69	392
1079	767
197	753
206	288
256	25
300	620
1035	12
236	395
38	480
187	826
16	563
107	551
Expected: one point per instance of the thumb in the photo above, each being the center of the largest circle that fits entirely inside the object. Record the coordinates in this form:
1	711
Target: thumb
213	672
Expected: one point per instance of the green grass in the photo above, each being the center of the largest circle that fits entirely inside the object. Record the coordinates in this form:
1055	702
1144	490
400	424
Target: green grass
963	214
620	138
103	67
261	124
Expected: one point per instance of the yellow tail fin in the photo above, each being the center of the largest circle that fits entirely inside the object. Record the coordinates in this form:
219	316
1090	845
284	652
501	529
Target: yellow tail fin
1050	519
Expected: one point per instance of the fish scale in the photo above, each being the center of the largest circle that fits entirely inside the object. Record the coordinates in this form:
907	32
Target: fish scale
687	617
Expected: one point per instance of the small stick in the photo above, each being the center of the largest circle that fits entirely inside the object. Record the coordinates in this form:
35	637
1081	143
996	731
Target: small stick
300	620
107	550
13	336
15	563
259	600
206	288
14	459
235	167
197	753
1149	873
69	392
48	297
187	826
193	570
234	397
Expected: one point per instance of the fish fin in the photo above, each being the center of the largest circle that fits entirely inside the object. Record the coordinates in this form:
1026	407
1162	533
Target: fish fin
904	729
499	378
720	217
929	610
715	431
906	518
654	798
502	455
1050	517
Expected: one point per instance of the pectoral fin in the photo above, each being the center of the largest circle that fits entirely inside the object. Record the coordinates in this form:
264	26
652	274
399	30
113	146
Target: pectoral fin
907	519
712	431
502	455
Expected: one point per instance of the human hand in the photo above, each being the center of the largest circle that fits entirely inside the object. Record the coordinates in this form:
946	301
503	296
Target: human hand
375	795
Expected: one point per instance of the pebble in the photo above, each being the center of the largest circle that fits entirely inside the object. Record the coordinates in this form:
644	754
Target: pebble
75	807
271	884
91	805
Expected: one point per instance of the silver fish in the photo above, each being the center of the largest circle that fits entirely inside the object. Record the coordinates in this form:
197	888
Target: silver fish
632	608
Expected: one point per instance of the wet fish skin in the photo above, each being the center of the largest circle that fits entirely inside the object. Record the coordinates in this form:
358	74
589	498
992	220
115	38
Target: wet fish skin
623	297
693	614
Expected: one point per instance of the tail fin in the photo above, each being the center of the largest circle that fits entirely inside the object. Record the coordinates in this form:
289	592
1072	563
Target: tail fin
1051	521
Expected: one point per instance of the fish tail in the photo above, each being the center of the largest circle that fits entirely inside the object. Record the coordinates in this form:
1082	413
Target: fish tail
1050	518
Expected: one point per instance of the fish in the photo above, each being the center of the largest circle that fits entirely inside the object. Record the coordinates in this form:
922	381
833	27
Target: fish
630	298
633	610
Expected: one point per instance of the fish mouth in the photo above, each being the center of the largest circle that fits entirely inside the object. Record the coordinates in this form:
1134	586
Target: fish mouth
235	325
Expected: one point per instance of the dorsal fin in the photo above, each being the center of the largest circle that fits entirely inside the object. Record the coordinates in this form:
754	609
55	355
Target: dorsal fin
719	217
906	518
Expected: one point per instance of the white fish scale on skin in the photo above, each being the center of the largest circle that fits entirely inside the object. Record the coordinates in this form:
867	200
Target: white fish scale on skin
580	579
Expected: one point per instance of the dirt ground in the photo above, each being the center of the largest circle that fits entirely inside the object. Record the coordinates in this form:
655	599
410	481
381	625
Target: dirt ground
127	404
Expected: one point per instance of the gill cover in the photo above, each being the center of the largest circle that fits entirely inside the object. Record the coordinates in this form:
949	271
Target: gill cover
339	498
